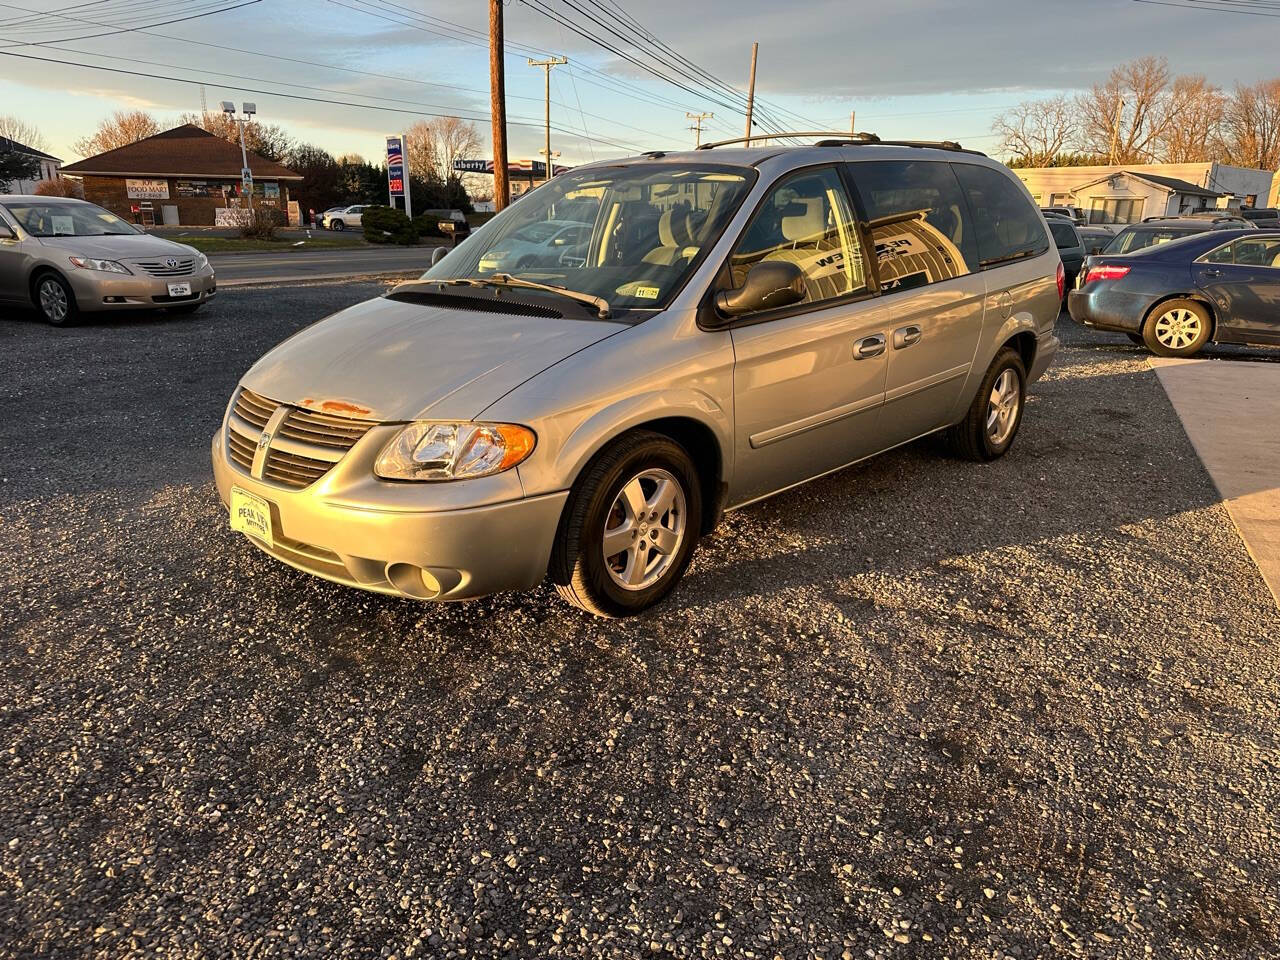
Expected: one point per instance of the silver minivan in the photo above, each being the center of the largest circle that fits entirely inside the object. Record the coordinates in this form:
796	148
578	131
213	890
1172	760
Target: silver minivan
737	321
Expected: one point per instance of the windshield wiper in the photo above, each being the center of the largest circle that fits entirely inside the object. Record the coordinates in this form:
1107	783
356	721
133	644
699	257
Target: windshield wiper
506	280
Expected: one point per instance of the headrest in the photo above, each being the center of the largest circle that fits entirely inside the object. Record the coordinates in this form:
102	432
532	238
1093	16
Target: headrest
673	227
807	225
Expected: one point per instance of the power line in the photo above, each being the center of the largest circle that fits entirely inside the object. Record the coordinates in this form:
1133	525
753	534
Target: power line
116	30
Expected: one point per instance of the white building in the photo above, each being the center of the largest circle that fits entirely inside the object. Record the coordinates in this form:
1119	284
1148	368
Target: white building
49	166
1125	193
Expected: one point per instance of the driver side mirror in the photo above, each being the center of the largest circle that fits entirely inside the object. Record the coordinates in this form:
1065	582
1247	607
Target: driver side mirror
768	285
438	254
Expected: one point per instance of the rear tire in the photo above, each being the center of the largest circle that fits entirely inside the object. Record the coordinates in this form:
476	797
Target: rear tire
54	299
641	495
1177	328
988	429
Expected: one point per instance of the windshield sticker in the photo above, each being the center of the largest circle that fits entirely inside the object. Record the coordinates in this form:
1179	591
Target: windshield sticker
65	225
647	293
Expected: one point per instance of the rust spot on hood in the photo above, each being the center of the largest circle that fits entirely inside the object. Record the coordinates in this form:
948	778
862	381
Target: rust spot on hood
340	407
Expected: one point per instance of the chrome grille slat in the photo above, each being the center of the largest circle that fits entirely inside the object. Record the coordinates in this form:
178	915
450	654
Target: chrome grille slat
305	444
158	268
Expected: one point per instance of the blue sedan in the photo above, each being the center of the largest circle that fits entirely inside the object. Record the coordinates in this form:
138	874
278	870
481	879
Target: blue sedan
1221	286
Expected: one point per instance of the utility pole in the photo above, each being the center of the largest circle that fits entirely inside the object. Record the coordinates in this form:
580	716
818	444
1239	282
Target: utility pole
697	119
751	90
546	65
498	108
853	127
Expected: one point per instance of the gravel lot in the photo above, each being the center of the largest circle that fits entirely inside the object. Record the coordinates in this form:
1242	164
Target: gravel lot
920	708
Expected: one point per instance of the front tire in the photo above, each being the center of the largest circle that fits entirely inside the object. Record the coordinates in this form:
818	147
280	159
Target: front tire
337	225
629	528
987	431
1176	328
1136	338
54	300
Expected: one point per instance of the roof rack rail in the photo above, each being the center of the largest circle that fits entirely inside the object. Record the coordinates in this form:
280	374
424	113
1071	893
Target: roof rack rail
842	139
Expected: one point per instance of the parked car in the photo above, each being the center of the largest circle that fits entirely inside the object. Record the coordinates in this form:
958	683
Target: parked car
1070	246
545	243
343	218
1072	213
67	257
1094	238
1220	286
1265	218
1157	230
728	337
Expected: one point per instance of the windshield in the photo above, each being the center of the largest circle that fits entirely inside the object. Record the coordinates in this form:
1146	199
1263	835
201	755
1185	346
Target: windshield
67	220
1064	234
630	234
1127	241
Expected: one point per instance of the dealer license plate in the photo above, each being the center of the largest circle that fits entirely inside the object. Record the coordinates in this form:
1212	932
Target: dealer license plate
252	515
180	289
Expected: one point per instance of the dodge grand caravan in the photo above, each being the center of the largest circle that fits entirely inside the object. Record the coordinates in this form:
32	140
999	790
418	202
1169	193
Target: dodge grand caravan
736	321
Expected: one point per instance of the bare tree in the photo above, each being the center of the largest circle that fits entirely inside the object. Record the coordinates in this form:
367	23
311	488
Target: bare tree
1195	108
1251	126
1036	131
265	139
12	128
60	187
119	130
1126	118
433	145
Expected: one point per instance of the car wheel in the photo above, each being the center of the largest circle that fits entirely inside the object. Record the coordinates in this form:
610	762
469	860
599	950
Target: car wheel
1136	338
988	429
337	225
629	528
54	300
1176	328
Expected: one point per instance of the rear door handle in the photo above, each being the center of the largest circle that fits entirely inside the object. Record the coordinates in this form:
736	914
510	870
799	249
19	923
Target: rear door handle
869	347
906	336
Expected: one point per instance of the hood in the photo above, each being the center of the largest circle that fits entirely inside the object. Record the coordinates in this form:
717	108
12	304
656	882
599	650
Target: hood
392	360
130	247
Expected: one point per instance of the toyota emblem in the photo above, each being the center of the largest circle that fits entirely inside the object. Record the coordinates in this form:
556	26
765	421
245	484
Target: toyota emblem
171	262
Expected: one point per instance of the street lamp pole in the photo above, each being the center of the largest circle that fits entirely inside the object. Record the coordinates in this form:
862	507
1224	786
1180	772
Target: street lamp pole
246	175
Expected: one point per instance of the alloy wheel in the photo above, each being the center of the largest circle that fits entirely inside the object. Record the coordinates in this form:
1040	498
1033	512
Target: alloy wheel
1002	407
1178	328
644	529
53	300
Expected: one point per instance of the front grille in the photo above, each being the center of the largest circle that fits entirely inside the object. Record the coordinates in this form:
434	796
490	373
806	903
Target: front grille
304	446
168	267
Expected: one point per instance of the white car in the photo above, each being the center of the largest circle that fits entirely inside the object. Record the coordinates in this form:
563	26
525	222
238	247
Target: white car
546	243
342	217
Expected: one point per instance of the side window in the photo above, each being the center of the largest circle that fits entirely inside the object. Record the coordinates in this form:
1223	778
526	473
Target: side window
1008	227
918	222
1260	252
1224	254
806	220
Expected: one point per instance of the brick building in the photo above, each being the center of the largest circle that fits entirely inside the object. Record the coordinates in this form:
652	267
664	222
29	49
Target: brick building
182	176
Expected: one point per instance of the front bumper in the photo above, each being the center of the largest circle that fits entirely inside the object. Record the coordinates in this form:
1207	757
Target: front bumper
442	554
98	290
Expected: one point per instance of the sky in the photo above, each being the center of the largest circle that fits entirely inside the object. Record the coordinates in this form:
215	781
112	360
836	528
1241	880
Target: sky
910	69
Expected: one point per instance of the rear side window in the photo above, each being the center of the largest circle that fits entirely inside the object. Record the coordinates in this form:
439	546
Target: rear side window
918	221
1008	227
1064	235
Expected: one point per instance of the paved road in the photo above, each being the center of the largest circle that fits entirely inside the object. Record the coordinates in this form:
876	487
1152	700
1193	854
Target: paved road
1232	415
917	709
238	269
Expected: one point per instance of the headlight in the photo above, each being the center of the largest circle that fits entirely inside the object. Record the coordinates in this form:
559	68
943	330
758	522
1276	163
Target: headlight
106	266
454	451
201	260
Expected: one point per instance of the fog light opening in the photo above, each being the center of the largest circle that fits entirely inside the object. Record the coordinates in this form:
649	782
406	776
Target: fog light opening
413	581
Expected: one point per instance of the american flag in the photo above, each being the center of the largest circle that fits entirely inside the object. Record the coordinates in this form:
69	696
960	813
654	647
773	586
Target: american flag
394	157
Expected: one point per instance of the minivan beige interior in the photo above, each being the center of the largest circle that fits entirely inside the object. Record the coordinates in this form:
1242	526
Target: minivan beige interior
727	324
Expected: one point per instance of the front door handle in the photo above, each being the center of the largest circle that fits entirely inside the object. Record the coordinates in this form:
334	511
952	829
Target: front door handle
906	336
869	347
1212	272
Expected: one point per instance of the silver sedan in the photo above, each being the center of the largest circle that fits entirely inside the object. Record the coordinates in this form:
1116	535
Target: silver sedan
65	257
